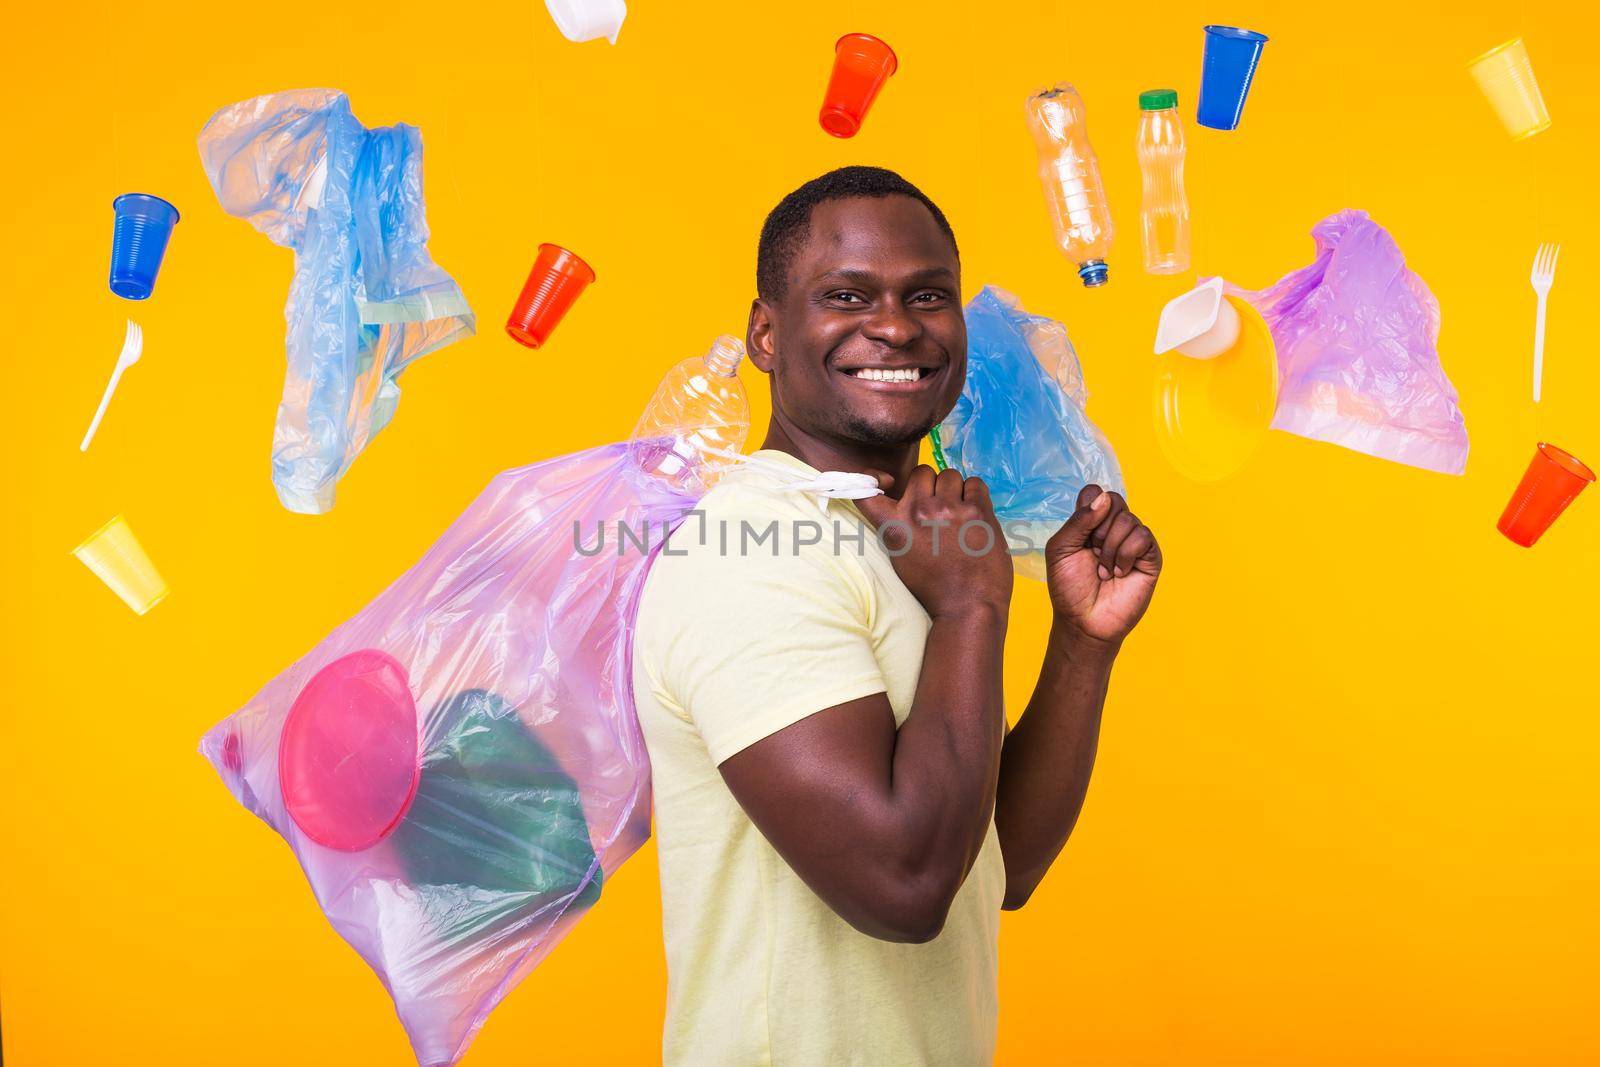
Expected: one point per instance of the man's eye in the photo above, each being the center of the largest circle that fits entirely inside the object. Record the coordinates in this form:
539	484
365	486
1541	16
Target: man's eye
845	298
928	298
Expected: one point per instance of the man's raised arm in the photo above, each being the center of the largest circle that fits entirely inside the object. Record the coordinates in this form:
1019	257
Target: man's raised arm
883	824
1102	568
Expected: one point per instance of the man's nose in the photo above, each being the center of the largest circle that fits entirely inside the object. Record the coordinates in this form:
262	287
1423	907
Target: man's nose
893	325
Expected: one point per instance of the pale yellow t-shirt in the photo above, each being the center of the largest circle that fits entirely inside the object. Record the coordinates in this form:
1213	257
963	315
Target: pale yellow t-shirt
734	646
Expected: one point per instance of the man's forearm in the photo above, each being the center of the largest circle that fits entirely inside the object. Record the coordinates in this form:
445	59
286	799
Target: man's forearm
1048	757
947	754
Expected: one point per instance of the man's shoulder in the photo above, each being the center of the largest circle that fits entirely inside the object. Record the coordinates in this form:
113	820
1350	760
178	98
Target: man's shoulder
749	495
740	518
744	538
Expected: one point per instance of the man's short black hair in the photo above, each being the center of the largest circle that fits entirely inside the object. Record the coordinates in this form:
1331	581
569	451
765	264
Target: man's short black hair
789	223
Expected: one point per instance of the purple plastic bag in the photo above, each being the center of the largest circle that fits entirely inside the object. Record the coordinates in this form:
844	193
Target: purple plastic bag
1358	363
459	767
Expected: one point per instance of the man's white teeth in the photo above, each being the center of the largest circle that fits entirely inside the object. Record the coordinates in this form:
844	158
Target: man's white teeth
875	374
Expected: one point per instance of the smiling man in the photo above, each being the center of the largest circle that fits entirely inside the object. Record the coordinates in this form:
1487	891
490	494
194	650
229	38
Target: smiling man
840	811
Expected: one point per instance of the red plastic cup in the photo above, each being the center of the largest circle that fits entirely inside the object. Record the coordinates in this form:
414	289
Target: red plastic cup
557	279
1549	484
861	64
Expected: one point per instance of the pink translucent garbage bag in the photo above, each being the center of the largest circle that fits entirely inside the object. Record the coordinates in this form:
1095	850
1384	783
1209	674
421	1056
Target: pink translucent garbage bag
459	767
1358	362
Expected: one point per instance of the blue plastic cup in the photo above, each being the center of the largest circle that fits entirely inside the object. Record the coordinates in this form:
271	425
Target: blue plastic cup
144	223
1225	74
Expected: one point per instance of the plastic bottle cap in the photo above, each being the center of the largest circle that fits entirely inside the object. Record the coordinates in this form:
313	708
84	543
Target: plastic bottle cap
1158	99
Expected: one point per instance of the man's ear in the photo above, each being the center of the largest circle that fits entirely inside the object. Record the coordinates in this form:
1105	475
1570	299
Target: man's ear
761	337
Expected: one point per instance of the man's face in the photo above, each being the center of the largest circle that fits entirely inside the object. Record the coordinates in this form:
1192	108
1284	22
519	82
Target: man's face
868	344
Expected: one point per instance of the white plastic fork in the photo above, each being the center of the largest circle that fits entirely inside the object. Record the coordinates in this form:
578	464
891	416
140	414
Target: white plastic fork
1543	276
132	349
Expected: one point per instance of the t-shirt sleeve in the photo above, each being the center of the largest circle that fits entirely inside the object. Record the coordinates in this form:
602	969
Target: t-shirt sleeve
747	644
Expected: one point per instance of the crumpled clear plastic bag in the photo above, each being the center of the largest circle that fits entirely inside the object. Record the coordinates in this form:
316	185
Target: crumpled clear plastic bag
366	299
1021	424
1358	362
459	767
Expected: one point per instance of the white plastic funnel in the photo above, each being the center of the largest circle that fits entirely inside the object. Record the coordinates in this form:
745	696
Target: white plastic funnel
1200	323
585	20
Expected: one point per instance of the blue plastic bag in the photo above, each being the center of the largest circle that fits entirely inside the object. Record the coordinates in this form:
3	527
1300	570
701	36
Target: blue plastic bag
366	298
1020	424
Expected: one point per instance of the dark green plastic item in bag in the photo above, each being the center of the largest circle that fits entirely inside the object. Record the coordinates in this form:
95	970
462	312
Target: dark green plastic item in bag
495	814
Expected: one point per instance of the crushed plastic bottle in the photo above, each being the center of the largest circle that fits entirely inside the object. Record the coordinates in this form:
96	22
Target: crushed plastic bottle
697	416
1164	217
1071	177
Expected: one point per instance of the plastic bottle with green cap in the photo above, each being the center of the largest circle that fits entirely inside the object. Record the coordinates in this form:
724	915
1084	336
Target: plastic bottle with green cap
1165	215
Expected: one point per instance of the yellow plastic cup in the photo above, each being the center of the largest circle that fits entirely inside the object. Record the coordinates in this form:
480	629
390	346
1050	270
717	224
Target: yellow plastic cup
118	560
1505	75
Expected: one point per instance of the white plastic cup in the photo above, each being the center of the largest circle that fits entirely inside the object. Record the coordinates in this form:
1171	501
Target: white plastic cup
586	20
118	560
1200	324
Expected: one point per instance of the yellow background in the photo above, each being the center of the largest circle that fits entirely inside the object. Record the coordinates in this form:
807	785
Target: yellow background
1345	808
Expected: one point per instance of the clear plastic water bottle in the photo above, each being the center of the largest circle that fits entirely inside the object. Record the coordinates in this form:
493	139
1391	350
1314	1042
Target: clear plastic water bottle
698	411
1165	215
1071	176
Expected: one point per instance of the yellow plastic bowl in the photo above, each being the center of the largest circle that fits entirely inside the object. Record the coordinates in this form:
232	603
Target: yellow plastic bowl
1211	414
